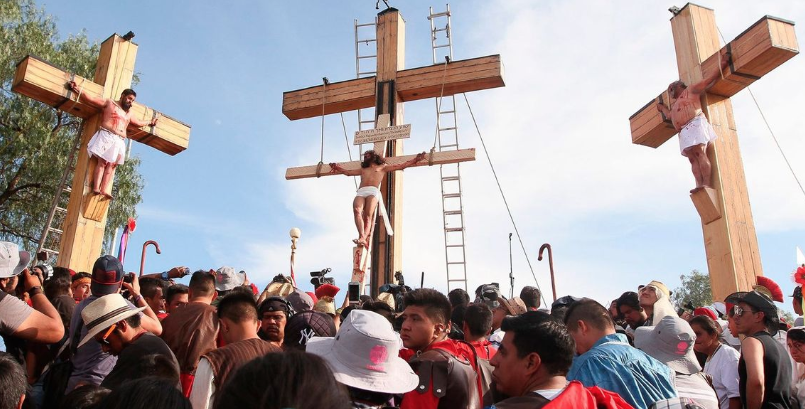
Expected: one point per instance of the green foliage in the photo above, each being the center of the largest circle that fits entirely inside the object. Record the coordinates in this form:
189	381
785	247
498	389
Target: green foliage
695	290
35	139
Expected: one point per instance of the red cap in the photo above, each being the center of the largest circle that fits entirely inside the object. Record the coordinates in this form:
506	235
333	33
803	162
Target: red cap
706	312
327	290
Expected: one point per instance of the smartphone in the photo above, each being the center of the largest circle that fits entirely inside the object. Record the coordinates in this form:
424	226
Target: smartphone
354	292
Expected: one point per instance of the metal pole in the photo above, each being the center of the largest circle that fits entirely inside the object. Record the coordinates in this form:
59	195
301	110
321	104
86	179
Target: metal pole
142	258
550	265
511	268
422	280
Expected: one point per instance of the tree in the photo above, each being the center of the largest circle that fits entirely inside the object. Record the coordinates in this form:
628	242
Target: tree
35	139
695	290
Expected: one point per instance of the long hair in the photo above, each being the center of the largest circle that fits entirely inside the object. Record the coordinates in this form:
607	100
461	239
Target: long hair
375	158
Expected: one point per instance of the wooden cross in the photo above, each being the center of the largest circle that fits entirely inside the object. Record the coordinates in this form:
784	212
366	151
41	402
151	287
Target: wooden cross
387	91
85	221
730	242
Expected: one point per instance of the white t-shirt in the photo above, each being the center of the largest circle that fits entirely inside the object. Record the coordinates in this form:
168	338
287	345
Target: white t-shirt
496	337
549	394
203	392
723	367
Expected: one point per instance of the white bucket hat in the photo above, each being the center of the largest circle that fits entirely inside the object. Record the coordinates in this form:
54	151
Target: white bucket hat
226	278
670	342
12	260
364	355
103	312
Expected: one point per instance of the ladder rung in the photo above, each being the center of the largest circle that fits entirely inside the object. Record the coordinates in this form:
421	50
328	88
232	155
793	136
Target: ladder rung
454	245
450	145
452	280
452	212
441	46
367	56
368	73
67	189
447	112
456	262
50	251
365	24
451	195
449	128
450	178
55	230
453	229
443	13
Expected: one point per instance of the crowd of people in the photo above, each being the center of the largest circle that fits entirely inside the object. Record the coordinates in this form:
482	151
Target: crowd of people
106	339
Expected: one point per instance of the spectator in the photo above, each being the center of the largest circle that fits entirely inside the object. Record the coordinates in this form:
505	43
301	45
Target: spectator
796	347
381	308
764	367
796	304
306	383
364	357
671	342
477	326
85	397
531	365
226	279
655	298
12	382
90	363
274	313
501	307
191	331
445	366
40	323
153	291
115	325
531	297
177	297
721	363
628	305
237	315
606	360
81	286
146	393
560	305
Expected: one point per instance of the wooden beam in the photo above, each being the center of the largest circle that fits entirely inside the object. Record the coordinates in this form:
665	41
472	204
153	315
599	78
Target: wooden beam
412	84
763	47
45	82
439	158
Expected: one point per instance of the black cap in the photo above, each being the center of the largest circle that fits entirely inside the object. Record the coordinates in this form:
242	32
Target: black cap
107	274
756	300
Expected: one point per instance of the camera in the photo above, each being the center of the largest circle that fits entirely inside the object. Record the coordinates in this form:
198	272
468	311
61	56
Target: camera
318	278
128	278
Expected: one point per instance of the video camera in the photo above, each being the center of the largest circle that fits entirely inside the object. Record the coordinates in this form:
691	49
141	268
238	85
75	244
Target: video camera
318	278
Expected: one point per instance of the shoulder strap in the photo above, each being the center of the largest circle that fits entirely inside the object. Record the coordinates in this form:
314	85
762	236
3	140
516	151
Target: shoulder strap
76	337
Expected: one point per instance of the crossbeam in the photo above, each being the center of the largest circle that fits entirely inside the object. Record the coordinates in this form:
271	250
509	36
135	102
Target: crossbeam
412	84
45	82
439	158
764	46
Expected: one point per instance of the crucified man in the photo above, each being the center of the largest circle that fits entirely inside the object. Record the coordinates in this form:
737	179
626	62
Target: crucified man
695	132
108	143
368	198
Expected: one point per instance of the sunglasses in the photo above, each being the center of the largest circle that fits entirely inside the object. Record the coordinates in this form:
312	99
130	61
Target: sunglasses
740	311
104	340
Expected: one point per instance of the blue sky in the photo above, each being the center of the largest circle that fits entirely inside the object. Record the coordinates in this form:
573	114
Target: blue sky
616	214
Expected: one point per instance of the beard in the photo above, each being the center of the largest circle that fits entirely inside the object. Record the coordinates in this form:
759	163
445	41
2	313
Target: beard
366	163
125	105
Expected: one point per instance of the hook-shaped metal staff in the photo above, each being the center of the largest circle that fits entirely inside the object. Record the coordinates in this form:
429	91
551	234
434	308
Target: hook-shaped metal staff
550	265
142	259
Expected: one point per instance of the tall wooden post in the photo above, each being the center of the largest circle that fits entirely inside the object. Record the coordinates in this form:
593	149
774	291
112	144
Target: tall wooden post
733	258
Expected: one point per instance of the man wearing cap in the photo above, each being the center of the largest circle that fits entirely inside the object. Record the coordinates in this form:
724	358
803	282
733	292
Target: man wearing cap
764	369
531	365
306	325
41	323
606	359
237	315
191	331
274	313
114	324
364	357
90	363
671	342
489	294
448	376
226	279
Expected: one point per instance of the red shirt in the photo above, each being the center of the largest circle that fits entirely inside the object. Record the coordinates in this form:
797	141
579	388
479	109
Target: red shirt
484	349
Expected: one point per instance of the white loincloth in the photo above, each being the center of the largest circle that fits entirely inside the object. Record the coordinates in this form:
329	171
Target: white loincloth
373	191
697	131
108	146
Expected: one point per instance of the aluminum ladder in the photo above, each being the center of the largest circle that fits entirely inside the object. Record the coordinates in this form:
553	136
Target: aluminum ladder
366	54
447	140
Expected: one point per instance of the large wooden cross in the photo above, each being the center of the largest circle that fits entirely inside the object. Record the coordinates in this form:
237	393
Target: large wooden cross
85	221
387	91
730	241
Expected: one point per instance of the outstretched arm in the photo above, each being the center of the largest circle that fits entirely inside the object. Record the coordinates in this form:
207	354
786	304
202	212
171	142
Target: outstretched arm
401	166
710	80
138	123
336	168
664	109
97	102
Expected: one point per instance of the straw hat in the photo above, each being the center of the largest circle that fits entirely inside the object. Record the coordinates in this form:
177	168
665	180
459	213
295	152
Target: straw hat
103	312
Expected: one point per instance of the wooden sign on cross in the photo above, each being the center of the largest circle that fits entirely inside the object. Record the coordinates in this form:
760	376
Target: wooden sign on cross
387	91
85	222
733	258
383	132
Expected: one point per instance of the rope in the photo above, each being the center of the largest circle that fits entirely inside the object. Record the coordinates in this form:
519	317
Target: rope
508	210
768	126
323	98
439	106
349	152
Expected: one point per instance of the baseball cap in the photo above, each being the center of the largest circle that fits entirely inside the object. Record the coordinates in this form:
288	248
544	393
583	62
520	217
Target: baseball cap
305	325
489	295
107	275
12	260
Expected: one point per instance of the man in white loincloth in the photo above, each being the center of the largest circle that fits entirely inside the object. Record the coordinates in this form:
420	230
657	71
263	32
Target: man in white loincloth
695	132
108	144
368	197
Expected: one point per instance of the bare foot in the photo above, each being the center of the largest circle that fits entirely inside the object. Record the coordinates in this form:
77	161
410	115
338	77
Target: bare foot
696	189
360	242
108	196
96	192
